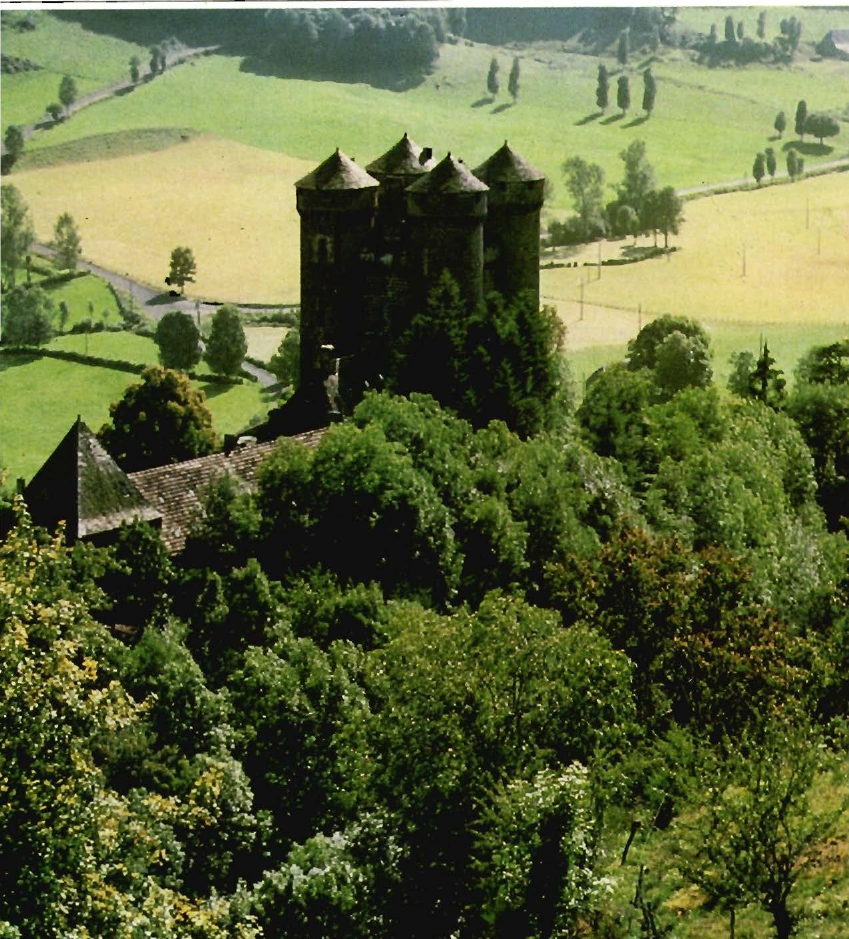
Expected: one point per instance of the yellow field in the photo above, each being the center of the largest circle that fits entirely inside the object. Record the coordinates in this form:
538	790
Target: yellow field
264	341
796	244
233	205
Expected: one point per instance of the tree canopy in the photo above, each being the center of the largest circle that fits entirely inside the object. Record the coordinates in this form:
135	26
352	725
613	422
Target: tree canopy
16	231
226	346
178	340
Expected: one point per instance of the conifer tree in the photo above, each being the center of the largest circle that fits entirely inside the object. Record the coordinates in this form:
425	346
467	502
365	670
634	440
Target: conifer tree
602	88
801	117
771	164
623	94
622	50
759	168
492	77
513	80
780	124
649	91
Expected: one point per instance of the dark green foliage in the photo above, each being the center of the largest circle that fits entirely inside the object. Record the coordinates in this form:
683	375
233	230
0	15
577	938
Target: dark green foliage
627	221
759	168
226	346
16	231
801	118
767	383
602	88
622	51
730	35
492	77
224	534
183	268
822	126
825	364
513	80
178	340
66	242
821	412
740	31
793	169
761	29
159	420
285	362
14	142
649	91
771	164
663	210
27	316
54	109
682	362
639	178
67	91
780	124
623	93
135	63
643	351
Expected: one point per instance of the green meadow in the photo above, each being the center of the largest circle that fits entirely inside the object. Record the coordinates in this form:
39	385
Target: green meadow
707	124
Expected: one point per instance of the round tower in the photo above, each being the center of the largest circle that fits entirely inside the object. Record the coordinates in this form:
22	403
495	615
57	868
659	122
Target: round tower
511	232
336	202
397	169
446	211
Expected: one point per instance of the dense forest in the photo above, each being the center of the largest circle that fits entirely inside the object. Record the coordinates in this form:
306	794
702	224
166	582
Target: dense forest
424	679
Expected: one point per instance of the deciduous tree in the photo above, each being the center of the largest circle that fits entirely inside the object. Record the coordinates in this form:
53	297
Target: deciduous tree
285	363
638	180
161	419
759	168
183	268
585	182
66	242
178	340
67	91
822	126
14	143
226	346
27	316
667	211
16	232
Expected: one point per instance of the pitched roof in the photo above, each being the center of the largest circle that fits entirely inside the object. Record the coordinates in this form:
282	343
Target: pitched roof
505	165
176	490
83	485
337	172
449	176
403	159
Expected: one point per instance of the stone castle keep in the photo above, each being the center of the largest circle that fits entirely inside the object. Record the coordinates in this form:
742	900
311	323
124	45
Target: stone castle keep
374	241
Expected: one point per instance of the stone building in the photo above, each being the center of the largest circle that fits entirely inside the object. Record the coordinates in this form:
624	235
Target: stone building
374	241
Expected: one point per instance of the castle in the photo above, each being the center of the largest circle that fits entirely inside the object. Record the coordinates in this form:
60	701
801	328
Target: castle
374	241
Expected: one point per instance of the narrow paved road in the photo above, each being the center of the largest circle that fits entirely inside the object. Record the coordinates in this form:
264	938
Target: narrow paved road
707	188
156	303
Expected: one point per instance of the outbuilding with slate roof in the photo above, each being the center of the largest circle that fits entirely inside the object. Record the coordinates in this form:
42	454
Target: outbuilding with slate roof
83	486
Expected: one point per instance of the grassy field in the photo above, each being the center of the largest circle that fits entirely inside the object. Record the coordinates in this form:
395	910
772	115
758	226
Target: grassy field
123	346
81	292
234	205
263	341
32	424
707	124
61	48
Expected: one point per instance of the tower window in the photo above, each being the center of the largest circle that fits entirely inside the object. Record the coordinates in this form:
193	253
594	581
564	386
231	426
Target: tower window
321	250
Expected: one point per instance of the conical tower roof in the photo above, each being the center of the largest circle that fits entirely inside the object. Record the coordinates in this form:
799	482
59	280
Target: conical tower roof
505	165
403	159
82	484
449	176
337	172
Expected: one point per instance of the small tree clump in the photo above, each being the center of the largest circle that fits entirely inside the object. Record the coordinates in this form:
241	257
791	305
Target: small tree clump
178	340
226	346
66	242
67	91
183	268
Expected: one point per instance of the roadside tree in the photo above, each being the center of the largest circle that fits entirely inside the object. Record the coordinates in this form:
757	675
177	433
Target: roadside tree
627	221
183	268
54	109
638	180
226	346
66	242
759	168
161	419
67	92
771	163
285	363
27	316
792	164
135	63
16	232
822	126
667	211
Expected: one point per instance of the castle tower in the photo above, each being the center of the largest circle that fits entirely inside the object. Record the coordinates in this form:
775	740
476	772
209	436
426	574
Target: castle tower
511	232
446	211
397	169
336	202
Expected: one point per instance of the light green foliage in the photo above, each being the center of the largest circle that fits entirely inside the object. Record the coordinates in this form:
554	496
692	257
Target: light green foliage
585	182
682	362
535	854
749	835
16	231
14	141
639	178
226	346
66	241
285	364
27	316
67	91
160	419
